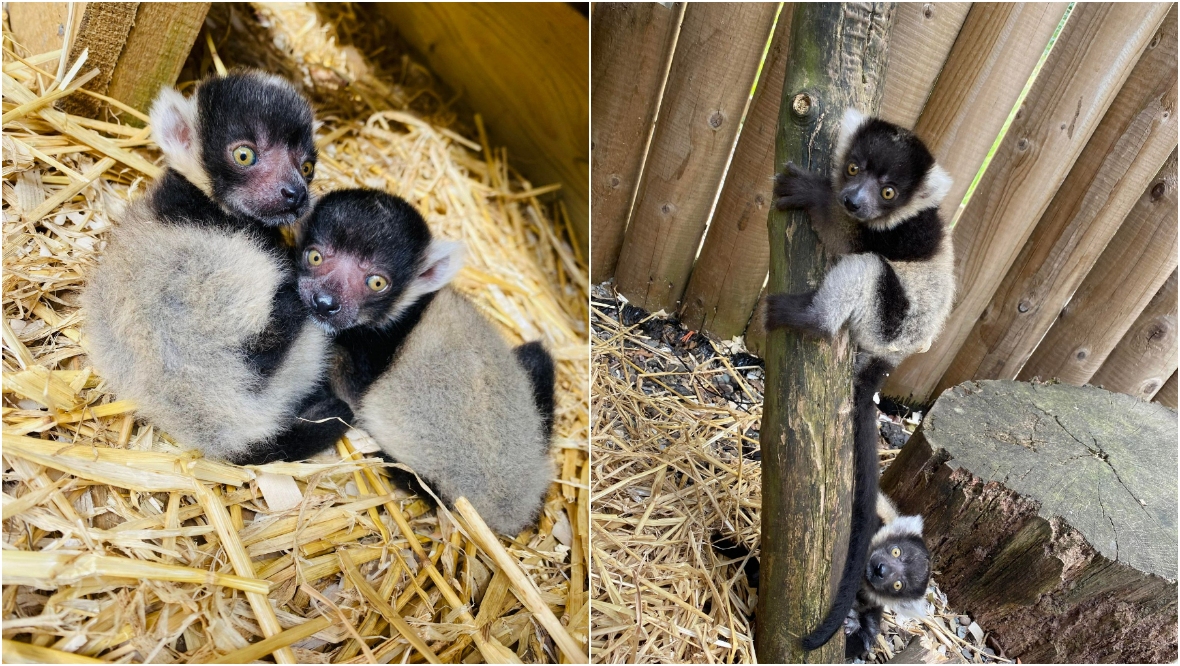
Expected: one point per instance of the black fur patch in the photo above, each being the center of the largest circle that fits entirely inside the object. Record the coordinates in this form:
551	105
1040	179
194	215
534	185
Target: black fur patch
793	311
916	239
266	352
892	302
367	352
322	420
867	625
539	365
892	154
177	201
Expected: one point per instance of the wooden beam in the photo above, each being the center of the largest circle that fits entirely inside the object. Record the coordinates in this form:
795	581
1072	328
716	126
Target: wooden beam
525	67
1130	271
837	58
922	39
1135	137
1094	55
1167	394
1146	356
155	51
729	273
632	45
713	69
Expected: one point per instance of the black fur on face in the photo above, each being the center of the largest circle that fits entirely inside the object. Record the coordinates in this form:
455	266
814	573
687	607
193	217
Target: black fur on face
264	115
884	166
903	559
353	241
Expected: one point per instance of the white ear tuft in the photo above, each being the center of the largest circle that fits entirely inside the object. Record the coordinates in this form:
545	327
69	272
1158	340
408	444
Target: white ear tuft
175	130
851	121
443	261
935	186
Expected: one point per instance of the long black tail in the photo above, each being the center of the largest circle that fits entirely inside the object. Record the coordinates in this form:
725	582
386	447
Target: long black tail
864	499
538	364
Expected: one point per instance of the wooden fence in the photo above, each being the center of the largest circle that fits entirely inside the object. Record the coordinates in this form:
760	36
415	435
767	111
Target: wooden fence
1066	248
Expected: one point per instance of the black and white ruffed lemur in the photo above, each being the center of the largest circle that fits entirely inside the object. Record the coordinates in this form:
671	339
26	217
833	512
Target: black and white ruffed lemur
426	375
896	575
192	311
893	286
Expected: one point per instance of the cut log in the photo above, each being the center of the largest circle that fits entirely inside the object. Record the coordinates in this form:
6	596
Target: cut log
1051	517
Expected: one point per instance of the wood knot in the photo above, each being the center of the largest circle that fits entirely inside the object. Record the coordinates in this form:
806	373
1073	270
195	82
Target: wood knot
1022	145
1158	190
716	120
759	200
801	104
1023	306
615	181
1082	354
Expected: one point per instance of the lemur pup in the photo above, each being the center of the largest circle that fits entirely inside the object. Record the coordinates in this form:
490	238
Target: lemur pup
425	374
893	286
192	312
896	574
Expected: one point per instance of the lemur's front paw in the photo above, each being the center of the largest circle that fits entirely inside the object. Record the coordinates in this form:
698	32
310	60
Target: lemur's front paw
852	622
795	187
793	311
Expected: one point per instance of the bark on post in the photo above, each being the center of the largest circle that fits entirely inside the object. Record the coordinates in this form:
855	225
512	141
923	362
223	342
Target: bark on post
837	59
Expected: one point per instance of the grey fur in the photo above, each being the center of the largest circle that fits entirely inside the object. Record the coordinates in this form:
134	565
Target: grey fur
168	311
458	408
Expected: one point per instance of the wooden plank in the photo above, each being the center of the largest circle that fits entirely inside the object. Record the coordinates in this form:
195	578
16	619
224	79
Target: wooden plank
713	69
837	58
922	39
1094	55
1167	394
1123	156
102	33
155	51
632	45
1146	356
1130	271
525	68
731	269
40	27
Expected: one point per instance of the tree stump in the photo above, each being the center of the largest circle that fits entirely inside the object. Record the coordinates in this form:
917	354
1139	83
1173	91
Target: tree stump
1051	516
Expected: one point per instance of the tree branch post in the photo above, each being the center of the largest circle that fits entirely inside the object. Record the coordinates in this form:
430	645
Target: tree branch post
838	58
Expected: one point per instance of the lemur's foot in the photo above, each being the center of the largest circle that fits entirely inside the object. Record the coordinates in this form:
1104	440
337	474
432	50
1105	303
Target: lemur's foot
793	311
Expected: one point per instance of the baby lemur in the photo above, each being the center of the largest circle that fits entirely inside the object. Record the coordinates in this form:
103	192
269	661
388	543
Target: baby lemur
896	574
192	311
424	373
893	286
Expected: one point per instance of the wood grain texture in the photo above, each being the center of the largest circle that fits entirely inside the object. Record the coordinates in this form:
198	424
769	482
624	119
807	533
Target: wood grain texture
1122	157
1130	271
525	67
922	39
632	47
837	58
735	257
1094	55
712	72
1146	356
102	33
155	50
1050	511
41	26
1167	394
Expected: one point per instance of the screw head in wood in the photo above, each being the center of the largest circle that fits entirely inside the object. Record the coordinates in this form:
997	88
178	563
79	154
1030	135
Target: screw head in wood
801	104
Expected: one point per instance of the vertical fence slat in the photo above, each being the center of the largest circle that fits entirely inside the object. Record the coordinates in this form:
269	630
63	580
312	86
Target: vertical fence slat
922	38
713	68
1130	271
1167	394
735	257
632	43
1146	356
1094	55
1123	156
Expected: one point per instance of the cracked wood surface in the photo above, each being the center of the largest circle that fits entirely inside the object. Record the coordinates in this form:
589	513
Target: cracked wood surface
1051	516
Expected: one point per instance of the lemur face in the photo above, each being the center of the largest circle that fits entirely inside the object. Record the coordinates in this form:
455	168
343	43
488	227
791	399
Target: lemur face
365	256
882	169
899	568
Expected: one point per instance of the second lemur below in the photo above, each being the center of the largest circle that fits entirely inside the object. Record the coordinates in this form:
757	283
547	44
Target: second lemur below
426	375
893	286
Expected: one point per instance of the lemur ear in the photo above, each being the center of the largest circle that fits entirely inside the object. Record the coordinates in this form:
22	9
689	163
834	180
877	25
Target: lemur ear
851	121
443	260
174	129
935	186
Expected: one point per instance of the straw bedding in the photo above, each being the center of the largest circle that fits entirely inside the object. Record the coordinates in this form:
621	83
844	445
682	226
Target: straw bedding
675	437
121	546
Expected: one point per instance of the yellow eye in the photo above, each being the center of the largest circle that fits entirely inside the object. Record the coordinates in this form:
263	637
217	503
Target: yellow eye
377	283
896	552
314	257
853	169
307	168
244	155
888	192
897	585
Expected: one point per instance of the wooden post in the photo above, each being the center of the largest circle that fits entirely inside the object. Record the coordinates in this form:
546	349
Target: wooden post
1093	56
1130	271
922	40
1146	356
155	51
713	68
632	45
837	59
1122	157
729	273
1167	394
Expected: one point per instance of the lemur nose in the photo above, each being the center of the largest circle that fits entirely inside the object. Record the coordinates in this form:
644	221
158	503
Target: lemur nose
294	196
326	304
850	204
